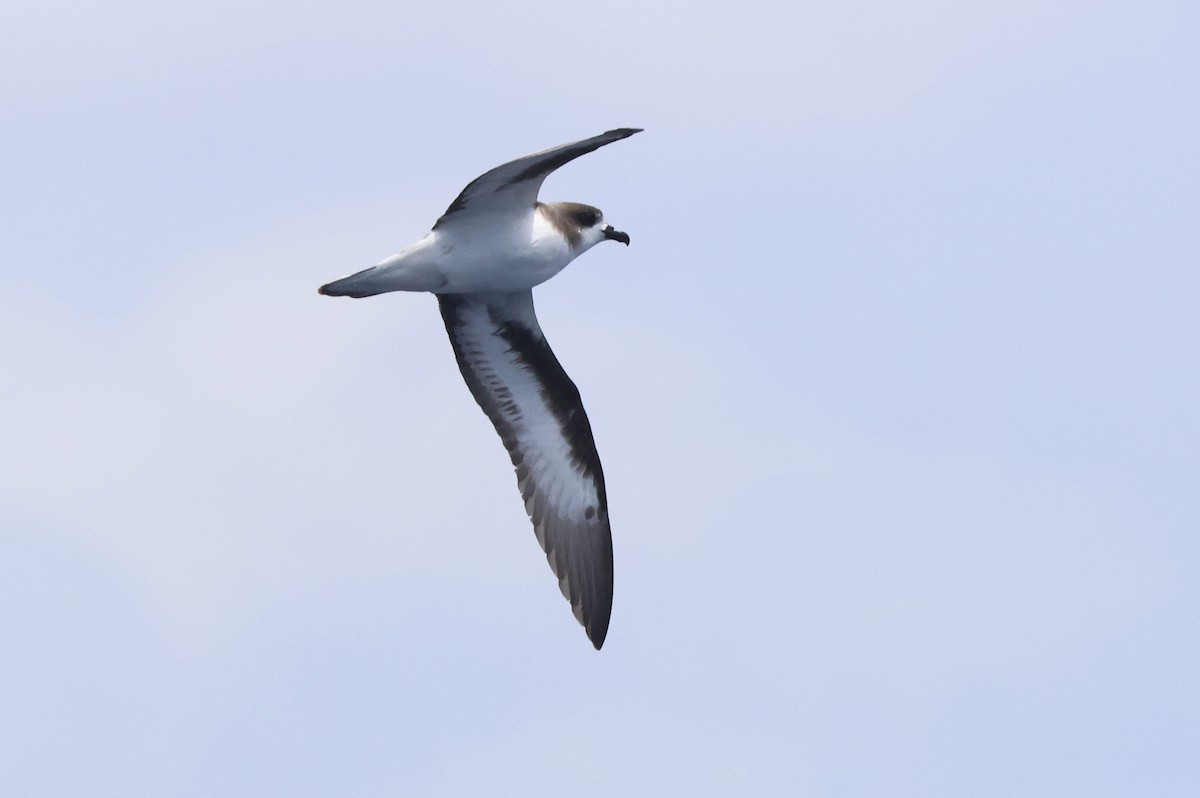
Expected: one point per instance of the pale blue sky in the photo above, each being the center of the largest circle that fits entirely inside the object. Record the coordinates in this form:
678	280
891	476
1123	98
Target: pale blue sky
896	391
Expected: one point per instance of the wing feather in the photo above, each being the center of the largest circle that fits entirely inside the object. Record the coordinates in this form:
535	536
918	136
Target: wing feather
515	185
537	411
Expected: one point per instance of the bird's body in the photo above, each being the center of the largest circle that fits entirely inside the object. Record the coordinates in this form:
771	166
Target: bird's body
482	253
482	258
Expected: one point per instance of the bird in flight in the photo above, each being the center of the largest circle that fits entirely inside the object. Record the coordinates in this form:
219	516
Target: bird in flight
482	259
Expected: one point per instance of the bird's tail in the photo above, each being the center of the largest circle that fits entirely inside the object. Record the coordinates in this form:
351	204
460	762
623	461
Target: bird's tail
400	272
357	285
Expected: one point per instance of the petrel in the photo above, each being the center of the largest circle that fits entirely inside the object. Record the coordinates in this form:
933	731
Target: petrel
482	259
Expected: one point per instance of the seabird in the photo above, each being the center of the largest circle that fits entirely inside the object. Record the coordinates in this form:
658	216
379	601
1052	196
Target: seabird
482	259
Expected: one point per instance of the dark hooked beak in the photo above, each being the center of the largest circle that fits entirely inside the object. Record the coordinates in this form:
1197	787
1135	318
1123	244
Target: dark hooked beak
615	235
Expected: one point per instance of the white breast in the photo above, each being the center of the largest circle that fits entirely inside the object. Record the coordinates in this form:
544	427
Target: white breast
495	253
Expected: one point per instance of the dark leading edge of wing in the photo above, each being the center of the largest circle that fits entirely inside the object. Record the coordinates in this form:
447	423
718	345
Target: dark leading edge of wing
536	409
521	179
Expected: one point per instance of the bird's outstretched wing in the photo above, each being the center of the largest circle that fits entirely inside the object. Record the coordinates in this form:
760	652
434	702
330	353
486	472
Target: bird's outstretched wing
535	407
515	185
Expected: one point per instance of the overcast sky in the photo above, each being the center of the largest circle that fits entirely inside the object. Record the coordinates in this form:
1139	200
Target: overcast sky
896	390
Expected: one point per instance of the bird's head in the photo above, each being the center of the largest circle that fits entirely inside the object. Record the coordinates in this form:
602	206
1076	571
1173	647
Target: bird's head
586	226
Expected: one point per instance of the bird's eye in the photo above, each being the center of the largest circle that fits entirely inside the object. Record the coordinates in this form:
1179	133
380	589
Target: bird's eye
586	218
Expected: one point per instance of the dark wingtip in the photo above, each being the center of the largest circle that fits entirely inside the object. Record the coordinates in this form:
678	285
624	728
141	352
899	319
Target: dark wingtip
323	290
623	132
597	637
597	627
